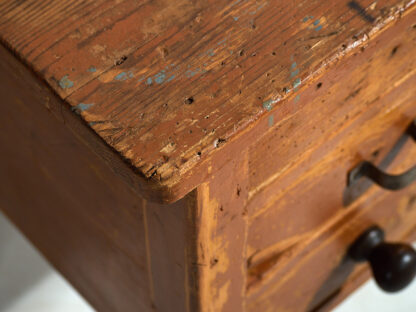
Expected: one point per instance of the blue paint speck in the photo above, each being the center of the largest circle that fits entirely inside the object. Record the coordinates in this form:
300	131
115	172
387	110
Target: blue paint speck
65	83
170	78
160	77
294	64
211	52
318	28
305	19
294	73
191	73
236	18
124	76
268	105
271	120
149	81
92	69
82	107
121	76
316	22
297	83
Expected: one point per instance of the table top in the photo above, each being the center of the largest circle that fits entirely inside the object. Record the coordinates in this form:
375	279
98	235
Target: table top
169	83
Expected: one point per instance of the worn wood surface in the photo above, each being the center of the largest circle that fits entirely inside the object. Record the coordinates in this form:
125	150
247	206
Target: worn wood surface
358	120
249	114
121	252
294	287
166	83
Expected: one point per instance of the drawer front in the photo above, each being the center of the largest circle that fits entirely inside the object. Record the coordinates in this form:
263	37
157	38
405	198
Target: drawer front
367	102
318	273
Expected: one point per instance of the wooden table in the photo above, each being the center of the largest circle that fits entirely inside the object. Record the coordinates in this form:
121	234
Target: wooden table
193	155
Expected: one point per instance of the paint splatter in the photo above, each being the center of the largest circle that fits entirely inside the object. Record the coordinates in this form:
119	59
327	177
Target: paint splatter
190	73
149	81
297	83
268	104
271	120
82	107
306	18
210	52
318	28
160	77
170	78
316	22
65	83
124	76
297	98
294	73
236	18
121	76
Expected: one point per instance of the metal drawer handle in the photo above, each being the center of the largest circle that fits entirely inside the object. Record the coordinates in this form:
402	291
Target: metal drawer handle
385	180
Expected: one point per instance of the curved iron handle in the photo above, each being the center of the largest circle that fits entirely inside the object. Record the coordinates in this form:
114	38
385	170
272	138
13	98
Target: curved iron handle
385	180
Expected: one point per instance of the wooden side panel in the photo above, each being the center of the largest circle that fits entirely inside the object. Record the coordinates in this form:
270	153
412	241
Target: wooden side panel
170	232
221	237
120	251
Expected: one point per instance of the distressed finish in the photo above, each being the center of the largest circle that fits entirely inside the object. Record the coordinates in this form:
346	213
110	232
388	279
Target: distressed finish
192	155
166	83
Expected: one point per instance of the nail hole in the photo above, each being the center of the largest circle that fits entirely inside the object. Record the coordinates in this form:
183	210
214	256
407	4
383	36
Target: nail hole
121	60
199	153
214	262
273	53
319	85
189	100
393	52
241	53
375	153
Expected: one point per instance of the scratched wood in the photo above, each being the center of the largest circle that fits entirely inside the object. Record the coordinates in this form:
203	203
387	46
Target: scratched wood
221	233
273	262
193	102
167	83
295	288
392	212
319	171
121	252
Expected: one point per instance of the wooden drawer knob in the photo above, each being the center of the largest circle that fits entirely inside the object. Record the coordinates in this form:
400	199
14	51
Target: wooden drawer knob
393	264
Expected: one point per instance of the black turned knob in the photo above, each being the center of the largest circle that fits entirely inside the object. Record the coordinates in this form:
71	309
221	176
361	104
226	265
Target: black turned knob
393	264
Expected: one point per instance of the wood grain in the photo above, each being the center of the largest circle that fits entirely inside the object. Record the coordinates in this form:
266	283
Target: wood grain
121	252
393	211
130	67
235	113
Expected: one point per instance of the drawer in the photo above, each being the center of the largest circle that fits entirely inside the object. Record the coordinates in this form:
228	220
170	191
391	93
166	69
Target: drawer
317	272
309	155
